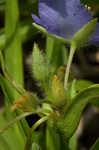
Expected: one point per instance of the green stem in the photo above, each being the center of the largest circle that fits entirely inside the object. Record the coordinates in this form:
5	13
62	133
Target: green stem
38	123
28	142
72	51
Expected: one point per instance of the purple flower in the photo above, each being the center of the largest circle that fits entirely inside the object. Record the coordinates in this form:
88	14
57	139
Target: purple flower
64	18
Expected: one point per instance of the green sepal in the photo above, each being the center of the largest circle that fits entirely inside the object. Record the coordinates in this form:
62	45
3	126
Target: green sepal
40	28
85	33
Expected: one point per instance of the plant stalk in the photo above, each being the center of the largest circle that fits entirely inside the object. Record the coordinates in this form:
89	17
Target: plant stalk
72	51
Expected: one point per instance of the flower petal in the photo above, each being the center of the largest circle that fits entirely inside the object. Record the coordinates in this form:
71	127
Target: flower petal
63	17
36	19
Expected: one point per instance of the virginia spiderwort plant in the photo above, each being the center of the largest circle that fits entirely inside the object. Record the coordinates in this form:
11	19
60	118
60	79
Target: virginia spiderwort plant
71	22
68	19
60	19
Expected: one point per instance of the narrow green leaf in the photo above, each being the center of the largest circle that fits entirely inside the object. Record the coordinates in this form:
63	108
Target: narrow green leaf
5	85
69	123
82	84
13	62
13	51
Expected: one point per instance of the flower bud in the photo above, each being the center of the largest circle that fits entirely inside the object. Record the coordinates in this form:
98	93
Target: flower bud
61	73
58	92
27	102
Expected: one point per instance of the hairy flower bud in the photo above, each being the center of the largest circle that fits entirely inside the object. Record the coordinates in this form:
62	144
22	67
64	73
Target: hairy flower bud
58	92
27	102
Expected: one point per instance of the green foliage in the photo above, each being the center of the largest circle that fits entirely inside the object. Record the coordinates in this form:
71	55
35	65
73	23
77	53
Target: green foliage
6	88
61	107
14	66
68	125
